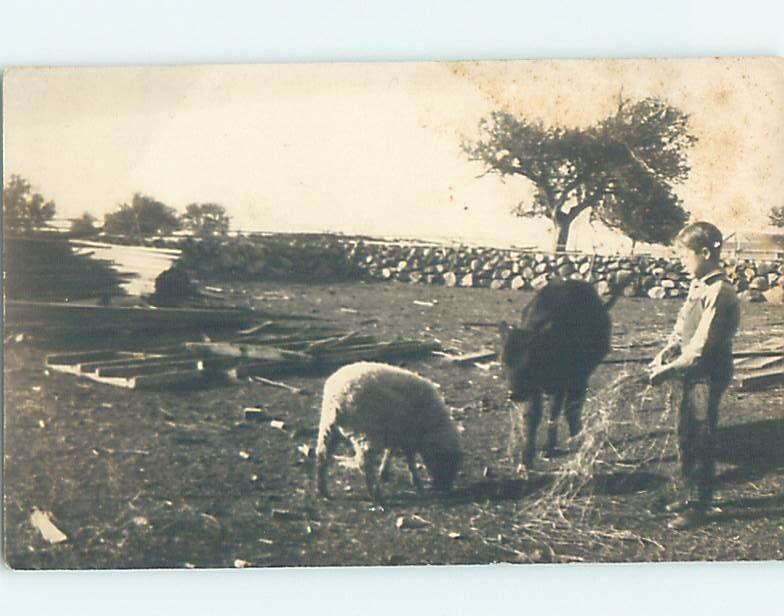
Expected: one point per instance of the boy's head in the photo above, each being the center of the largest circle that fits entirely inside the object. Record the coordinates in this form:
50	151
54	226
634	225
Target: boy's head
699	245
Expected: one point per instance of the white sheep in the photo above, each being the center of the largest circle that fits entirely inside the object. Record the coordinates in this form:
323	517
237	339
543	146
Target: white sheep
382	408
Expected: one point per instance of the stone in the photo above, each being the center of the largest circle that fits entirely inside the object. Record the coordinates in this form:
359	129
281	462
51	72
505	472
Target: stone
518	282
657	293
565	270
540	282
759	283
774	295
450	279
751	296
467	280
603	287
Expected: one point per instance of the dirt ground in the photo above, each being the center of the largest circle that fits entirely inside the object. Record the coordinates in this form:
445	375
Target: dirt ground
181	479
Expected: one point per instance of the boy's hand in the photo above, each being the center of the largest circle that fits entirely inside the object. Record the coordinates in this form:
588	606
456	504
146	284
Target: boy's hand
665	356
659	374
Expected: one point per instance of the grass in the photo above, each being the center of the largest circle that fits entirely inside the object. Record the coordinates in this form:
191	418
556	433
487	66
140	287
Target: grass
180	479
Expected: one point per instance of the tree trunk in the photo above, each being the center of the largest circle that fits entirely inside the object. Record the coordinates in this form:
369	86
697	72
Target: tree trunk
634	243
561	226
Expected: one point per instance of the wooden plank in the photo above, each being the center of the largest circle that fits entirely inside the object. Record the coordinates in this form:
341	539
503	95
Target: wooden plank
72	359
139	358
469	358
266	368
757	363
245	351
759	379
379	352
150	368
178	378
92	316
776	343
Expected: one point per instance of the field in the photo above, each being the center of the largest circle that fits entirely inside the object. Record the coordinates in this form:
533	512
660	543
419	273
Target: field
181	479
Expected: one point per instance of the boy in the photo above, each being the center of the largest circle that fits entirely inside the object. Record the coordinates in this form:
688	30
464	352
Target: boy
700	351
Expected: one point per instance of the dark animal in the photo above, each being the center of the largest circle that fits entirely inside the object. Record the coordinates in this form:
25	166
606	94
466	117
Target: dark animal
563	335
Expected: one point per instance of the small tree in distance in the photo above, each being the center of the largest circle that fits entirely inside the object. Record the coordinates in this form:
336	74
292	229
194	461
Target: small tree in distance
84	226
24	210
142	218
206	219
776	216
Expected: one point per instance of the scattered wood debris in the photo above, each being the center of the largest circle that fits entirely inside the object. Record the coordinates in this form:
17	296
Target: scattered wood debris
411	522
255	413
200	363
42	521
271	383
761	367
469	358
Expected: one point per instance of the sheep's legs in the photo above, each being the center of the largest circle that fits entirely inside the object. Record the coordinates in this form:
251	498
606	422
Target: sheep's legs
327	441
383	469
556	404
367	457
412	468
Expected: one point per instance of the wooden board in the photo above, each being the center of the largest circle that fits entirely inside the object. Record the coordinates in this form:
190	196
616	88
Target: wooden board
754	380
91	317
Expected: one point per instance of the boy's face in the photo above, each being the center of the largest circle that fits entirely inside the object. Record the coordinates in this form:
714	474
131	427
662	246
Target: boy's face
696	262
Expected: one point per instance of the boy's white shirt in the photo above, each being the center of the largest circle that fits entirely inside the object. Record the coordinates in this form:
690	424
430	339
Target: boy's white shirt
709	295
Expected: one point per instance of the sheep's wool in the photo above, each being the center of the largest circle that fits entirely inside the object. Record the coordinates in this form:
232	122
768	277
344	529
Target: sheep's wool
387	403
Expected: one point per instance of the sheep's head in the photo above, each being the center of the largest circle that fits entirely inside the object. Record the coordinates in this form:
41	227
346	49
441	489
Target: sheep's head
443	467
516	357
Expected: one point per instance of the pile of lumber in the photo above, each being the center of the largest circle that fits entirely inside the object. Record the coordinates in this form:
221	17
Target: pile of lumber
48	268
761	367
63	318
265	355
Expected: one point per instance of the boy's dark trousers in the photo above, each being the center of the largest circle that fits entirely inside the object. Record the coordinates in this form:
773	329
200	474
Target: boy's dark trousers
697	441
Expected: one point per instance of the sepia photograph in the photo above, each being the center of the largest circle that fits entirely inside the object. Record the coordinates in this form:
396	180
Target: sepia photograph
393	313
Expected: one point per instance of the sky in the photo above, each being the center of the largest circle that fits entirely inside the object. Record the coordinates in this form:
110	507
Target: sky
374	148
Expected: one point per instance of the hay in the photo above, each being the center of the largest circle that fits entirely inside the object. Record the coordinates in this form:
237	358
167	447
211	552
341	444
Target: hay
563	515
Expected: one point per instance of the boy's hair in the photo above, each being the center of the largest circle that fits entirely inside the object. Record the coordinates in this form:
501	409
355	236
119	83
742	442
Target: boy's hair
699	235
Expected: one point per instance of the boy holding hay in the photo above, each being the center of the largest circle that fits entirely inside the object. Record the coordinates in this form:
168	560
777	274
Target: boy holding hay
699	351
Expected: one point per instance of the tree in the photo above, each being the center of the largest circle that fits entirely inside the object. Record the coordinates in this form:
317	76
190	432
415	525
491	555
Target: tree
625	163
776	216
644	211
144	217
84	226
206	219
24	210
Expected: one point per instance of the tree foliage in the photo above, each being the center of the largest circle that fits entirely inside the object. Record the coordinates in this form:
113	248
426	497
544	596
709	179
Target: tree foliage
84	226
24	210
142	218
622	169
776	216
206	219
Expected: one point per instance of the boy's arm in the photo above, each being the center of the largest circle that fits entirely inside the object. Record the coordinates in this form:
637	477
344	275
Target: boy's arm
675	339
